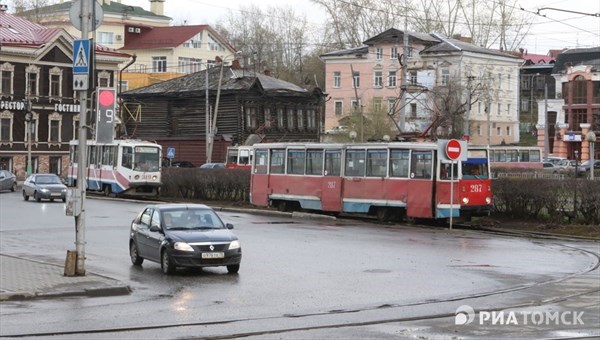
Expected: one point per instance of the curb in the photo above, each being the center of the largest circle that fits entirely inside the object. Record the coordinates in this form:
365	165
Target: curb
91	292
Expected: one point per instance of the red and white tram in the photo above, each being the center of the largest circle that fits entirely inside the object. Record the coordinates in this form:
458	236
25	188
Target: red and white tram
383	179
239	157
123	167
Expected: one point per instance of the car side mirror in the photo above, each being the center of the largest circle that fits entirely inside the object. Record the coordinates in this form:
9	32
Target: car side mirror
155	228
229	226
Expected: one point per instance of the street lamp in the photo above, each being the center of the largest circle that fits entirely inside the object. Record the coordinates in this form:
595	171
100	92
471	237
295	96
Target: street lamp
352	135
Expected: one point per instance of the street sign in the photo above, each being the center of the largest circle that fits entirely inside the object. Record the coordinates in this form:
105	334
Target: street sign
105	110
75	15
453	149
80	82
81	56
171	153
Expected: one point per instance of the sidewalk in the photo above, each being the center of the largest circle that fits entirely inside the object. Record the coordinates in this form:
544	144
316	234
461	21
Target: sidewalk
22	279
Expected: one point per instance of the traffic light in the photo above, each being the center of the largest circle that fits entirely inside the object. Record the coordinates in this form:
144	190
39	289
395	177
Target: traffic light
105	111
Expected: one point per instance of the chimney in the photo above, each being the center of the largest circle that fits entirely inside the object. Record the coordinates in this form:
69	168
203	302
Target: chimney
235	65
157	7
267	72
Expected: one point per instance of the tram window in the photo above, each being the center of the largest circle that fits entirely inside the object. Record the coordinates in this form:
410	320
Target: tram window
295	162
277	162
260	165
232	156
333	163
399	160
534	156
500	156
421	164
512	156
127	158
92	156
314	162
446	171
108	155
73	153
355	163
376	163
244	158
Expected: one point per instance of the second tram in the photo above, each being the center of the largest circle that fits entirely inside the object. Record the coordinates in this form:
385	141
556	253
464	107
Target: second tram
124	167
239	157
388	180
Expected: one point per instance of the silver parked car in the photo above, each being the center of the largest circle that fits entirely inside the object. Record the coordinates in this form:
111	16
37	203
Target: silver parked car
8	181
44	186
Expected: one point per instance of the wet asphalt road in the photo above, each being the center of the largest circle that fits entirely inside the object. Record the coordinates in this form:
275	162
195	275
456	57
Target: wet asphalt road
300	278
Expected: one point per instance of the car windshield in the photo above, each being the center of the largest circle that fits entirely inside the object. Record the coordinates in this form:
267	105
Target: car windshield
47	180
190	219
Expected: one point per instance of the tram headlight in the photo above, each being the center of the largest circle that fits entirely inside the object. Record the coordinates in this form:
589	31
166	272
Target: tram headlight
488	200
154	178
137	177
465	200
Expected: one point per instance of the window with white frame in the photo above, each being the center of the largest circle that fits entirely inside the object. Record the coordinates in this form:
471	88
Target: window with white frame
105	38
525	83
300	117
356	79
311	119
33	80
290	119
392	79
500	80
355	105
377	104
508	131
379	53
509	81
525	104
251	117
104	79
390	105
75	127
508	109
377	79
54	128
6	83
499	131
413	110
280	119
214	44
413	77
188	65
338	107
445	76
55	82
123	85
479	111
337	79
394	53
159	64
409	52
195	42
6	123
34	128
499	109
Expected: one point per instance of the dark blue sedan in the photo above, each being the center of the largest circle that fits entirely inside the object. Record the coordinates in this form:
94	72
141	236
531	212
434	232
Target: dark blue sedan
183	235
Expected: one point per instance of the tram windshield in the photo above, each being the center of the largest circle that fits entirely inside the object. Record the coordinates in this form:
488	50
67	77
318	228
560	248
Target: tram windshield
476	165
146	158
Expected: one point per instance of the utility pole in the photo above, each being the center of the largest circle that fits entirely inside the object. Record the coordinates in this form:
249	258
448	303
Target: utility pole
404	75
82	153
207	112
546	122
467	127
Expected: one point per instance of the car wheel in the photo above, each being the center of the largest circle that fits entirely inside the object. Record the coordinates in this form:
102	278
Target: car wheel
14	187
233	269
37	197
25	196
133	253
166	264
52	200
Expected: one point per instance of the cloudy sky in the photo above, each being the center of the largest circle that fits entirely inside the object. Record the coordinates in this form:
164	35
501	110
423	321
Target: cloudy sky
556	30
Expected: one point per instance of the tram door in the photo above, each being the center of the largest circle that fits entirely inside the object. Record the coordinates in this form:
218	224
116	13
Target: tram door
331	197
420	185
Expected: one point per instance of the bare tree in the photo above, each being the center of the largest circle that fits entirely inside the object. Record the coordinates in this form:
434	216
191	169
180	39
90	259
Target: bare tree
31	7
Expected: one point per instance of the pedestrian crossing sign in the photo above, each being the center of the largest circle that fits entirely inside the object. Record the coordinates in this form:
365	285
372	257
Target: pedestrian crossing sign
81	56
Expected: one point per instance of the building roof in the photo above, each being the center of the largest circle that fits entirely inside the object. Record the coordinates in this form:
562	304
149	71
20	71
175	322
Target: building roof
168	37
537	59
113	7
576	57
396	36
352	51
17	31
233	80
455	45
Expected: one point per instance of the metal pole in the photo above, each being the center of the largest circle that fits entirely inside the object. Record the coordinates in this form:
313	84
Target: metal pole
404	76
451	191
207	109
592	146
29	136
213	127
82	155
546	122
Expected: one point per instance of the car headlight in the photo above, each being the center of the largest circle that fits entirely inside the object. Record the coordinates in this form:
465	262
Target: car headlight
44	190
183	246
234	245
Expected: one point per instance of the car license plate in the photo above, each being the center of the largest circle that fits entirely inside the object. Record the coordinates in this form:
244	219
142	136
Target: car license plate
216	255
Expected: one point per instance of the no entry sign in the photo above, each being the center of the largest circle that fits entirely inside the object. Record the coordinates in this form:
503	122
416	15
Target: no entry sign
453	149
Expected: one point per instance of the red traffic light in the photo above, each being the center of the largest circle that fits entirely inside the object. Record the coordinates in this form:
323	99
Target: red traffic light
106	97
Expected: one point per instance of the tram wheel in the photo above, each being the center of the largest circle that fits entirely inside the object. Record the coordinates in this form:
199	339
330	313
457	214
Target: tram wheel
282	206
383	214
